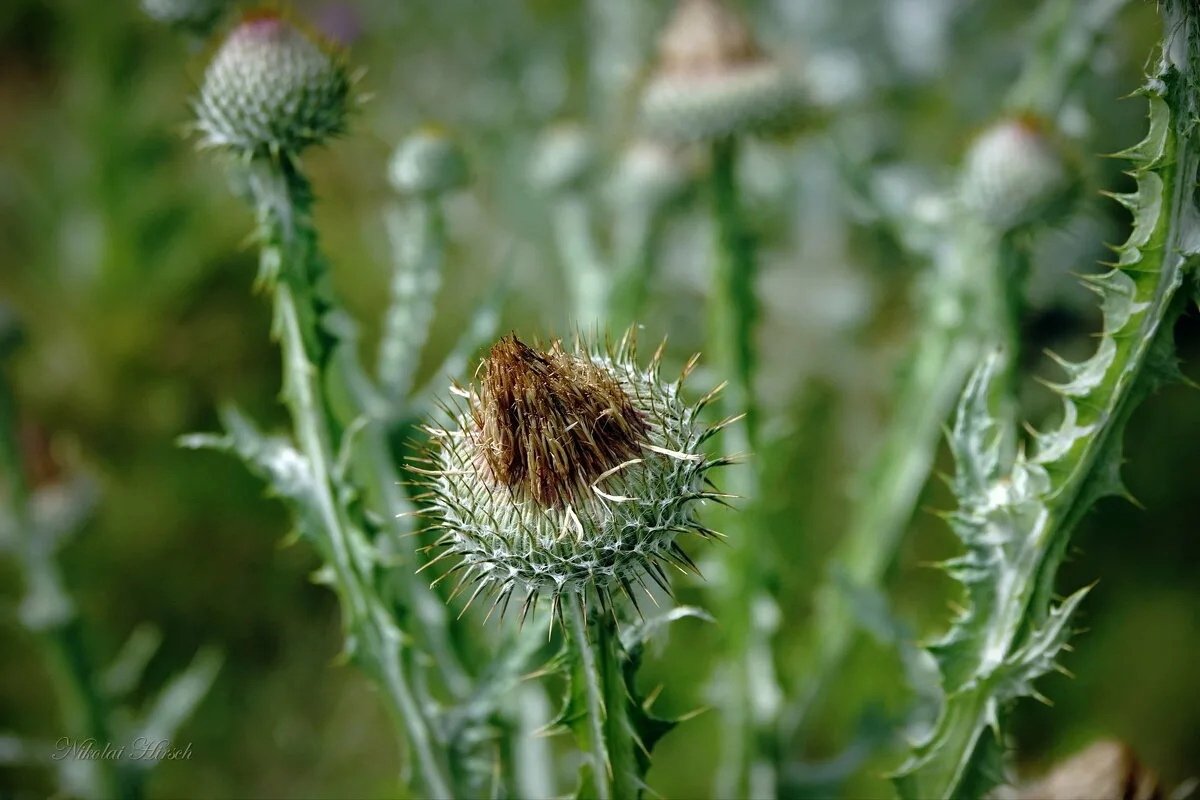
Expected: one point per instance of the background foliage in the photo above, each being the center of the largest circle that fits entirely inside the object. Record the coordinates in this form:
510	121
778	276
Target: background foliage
126	260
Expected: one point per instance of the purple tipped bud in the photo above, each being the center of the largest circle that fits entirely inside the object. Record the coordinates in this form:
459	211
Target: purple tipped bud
271	89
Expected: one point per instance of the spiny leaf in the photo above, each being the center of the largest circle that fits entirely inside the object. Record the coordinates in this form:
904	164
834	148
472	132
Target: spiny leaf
623	706
1016	513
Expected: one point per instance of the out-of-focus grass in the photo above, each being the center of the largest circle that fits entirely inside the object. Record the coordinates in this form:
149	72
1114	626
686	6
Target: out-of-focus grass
120	249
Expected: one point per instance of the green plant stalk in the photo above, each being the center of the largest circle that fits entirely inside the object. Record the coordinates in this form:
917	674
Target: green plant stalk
734	305
420	244
1016	514
356	404
972	302
638	260
750	708
49	613
587	274
288	259
609	735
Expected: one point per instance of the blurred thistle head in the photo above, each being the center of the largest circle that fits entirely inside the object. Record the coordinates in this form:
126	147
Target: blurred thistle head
198	17
713	80
271	88
1019	172
563	157
428	163
568	470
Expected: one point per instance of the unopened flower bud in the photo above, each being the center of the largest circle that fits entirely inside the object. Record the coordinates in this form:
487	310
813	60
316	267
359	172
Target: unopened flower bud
272	89
567	470
1016	173
563	157
427	163
712	79
192	16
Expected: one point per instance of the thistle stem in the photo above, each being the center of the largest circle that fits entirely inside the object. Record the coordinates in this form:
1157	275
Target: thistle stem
610	740
587	274
596	741
49	613
289	267
751	707
418	237
639	241
735	307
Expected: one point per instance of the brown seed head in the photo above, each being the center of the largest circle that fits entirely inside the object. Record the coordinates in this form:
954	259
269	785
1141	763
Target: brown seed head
705	36
548	424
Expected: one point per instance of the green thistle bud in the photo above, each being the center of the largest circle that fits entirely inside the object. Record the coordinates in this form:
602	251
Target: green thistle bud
1016	174
568	470
193	16
562	159
713	80
272	89
427	163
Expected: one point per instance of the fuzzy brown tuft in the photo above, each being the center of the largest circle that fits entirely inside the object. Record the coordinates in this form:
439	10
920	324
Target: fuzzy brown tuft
704	36
548	424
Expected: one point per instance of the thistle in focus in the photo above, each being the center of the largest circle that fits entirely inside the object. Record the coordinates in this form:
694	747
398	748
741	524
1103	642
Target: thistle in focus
271	89
713	80
568	470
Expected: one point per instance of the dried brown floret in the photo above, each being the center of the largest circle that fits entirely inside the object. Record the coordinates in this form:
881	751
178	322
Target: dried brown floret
549	424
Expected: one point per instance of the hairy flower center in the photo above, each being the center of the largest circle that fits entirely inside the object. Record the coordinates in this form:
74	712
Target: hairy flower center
548	425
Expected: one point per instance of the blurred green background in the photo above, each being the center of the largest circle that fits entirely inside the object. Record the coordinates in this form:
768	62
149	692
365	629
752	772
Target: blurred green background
126	257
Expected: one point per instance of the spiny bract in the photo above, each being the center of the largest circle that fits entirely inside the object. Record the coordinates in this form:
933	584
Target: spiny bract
568	470
271	89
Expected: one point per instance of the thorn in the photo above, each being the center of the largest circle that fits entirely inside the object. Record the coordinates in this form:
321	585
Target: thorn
688	367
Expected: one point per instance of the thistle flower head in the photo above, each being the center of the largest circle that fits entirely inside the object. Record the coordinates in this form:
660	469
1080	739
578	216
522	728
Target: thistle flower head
1017	173
712	79
427	163
271	88
565	470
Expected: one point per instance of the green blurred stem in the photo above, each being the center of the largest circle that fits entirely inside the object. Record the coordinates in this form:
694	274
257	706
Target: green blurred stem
639	239
418	237
972	302
587	274
48	612
750	708
610	741
290	267
734	305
